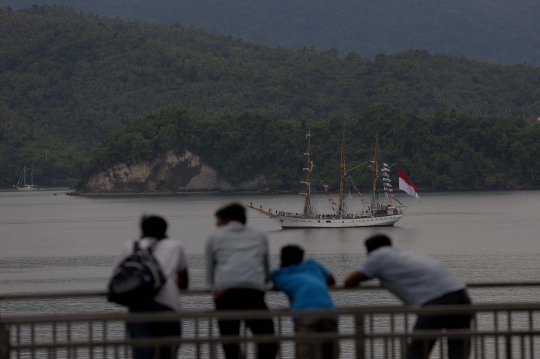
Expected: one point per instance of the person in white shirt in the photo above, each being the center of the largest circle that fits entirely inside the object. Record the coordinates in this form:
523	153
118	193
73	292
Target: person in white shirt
171	257
238	271
418	281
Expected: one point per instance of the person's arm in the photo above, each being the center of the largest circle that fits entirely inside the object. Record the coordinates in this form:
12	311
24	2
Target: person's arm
266	261
355	278
210	264
182	279
330	281
273	280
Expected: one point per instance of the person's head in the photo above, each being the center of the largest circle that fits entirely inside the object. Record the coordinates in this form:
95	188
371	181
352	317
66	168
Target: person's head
153	226
291	255
231	212
377	241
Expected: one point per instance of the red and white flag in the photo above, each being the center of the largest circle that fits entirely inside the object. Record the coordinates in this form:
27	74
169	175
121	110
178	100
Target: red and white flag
406	185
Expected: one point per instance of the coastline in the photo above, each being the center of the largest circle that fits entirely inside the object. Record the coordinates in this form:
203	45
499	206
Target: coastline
180	193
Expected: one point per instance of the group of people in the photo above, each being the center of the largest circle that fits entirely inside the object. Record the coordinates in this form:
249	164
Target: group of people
238	272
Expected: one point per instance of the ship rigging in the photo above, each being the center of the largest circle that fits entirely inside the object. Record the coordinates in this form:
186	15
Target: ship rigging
377	213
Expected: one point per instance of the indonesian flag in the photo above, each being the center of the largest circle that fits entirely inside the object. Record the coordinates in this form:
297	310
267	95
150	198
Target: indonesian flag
406	185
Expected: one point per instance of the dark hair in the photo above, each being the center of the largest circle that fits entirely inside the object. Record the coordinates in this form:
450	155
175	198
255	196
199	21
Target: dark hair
153	226
232	212
291	255
377	241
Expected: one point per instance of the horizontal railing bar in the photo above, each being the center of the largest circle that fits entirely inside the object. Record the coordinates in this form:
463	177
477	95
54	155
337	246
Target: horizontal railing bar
58	295
479	285
180	340
90	294
270	338
340	311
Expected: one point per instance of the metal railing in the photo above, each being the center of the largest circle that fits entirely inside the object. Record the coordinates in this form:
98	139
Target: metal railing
498	330
368	287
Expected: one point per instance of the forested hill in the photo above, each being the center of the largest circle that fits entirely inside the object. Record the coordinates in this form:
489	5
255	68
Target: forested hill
441	151
503	31
68	80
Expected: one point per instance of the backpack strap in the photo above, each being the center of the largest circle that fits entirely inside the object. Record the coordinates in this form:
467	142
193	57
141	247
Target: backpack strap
150	249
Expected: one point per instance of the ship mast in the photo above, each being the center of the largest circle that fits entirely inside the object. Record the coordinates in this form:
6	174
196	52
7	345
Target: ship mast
341	175
307	169
374	171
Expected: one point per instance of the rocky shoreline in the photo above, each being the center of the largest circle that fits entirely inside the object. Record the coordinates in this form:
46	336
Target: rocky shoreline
171	172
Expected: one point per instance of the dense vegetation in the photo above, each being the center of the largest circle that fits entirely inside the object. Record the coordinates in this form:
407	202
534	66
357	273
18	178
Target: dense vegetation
69	80
503	31
443	150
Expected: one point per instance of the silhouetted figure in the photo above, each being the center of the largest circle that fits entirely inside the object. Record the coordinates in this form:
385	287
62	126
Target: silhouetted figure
238	270
171	258
418	281
306	284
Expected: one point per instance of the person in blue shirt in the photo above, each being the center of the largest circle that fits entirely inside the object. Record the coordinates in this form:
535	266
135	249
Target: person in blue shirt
306	284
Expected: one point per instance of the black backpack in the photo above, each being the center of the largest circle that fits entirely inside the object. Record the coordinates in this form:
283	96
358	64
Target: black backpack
138	279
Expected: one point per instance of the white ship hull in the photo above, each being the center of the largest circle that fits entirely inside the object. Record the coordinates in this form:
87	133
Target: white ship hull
288	222
377	215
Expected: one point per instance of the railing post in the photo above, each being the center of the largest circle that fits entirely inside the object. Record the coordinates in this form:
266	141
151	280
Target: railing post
360	335
509	347
4	341
212	346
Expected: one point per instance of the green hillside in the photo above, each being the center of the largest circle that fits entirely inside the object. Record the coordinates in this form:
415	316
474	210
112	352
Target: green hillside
69	80
502	31
440	151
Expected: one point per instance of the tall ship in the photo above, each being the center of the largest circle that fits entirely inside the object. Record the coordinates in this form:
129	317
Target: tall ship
375	212
22	185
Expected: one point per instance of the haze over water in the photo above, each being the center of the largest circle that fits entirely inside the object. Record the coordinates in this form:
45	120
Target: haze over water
60	243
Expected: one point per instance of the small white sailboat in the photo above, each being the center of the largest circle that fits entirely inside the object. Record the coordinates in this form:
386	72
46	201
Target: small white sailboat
377	214
22	185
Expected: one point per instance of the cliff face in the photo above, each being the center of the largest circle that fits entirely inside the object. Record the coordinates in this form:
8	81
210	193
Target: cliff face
167	173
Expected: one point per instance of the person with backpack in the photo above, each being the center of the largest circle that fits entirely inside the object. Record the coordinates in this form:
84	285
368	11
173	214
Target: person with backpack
238	270
147	278
306	284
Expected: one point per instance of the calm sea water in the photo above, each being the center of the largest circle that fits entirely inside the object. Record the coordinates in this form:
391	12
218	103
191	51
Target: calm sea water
51	243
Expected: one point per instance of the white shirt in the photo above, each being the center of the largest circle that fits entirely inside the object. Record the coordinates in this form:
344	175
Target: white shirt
171	256
414	278
237	257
